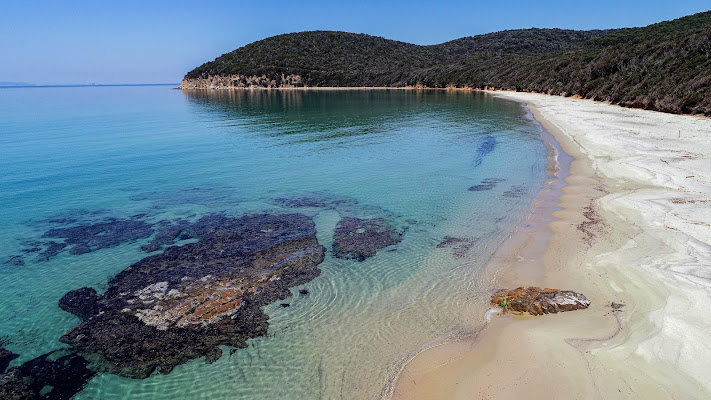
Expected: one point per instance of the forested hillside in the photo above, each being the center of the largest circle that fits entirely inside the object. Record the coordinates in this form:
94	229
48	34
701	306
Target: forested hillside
664	66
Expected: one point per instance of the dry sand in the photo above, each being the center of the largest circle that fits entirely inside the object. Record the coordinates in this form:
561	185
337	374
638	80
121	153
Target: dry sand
633	226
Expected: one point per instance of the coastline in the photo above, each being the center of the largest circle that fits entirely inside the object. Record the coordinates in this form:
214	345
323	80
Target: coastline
300	88
527	243
605	242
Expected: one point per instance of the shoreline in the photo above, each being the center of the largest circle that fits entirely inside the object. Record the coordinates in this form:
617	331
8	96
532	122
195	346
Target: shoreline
517	262
593	353
526	236
304	88
486	90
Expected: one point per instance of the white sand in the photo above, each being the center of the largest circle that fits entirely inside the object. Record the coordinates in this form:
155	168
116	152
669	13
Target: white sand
648	177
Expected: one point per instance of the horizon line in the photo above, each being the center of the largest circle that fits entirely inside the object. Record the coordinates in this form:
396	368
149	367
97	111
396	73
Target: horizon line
86	85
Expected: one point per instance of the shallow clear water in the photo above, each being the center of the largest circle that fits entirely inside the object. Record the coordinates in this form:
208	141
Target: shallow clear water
99	152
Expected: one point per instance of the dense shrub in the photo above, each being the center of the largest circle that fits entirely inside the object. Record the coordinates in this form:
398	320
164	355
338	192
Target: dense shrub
664	66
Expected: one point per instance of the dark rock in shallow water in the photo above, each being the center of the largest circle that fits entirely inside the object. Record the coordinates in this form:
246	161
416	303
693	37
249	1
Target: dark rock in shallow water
79	249
31	250
51	250
213	355
6	356
358	239
285	305
486	147
537	301
303	292
515	191
179	230
55	375
486	184
94	236
182	304
17	261
459	246
84	302
87	236
480	188
313	200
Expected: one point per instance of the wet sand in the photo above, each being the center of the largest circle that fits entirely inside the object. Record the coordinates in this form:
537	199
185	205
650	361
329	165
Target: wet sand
632	226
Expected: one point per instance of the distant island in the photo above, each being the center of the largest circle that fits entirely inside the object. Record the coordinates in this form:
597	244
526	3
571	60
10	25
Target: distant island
665	66
14	84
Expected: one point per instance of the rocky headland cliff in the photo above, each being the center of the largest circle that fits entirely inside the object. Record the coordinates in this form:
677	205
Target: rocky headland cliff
239	81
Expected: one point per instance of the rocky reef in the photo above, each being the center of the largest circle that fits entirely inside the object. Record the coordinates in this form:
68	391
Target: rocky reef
55	375
358	238
537	301
362	229
181	229
183	303
84	236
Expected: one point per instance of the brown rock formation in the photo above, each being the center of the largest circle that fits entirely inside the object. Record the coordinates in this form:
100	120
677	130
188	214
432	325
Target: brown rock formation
358	239
537	301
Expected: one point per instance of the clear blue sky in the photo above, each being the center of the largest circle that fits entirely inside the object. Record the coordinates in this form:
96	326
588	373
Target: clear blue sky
99	41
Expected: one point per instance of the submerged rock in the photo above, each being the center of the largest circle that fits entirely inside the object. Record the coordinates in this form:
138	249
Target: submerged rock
51	250
6	357
85	237
55	375
358	239
459	246
486	184
84	302
537	301
179	230
515	191
313	200
182	304
486	147
16	261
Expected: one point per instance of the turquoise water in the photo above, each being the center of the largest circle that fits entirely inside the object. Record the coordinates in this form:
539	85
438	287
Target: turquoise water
99	152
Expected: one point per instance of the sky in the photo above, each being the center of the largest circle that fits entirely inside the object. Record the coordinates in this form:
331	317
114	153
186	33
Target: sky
113	42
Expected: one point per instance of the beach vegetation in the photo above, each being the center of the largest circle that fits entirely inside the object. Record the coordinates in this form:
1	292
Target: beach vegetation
504	302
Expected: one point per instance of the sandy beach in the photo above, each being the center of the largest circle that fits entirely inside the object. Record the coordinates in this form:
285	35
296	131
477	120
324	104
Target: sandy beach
632	226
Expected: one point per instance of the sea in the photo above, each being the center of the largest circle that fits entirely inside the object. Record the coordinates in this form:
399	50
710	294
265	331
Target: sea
454	171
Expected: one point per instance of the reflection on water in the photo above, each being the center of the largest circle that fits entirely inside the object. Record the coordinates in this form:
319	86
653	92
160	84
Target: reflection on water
164	155
343	114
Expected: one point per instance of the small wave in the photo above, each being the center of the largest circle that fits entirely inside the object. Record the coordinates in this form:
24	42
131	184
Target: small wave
491	312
